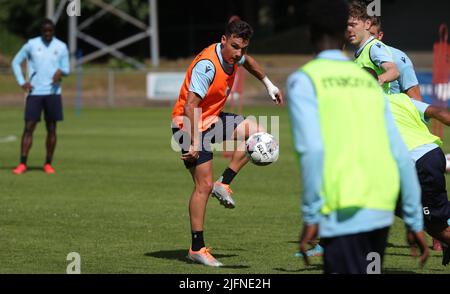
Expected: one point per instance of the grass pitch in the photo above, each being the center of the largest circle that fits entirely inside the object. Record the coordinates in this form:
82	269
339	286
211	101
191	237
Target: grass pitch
120	195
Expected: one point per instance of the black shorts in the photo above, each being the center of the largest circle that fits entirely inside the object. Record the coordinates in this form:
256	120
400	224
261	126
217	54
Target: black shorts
431	173
349	254
216	133
51	104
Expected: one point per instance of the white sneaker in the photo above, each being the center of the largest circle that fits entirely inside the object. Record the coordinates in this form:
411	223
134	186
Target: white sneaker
204	256
223	193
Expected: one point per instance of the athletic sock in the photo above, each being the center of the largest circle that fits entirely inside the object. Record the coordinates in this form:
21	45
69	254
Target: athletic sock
445	254
197	241
228	176
48	160
23	159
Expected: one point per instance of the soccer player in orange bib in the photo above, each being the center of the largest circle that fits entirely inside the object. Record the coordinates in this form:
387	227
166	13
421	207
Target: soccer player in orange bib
198	122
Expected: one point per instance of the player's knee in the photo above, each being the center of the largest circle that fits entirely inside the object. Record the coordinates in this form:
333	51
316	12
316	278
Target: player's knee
51	133
204	187
253	130
248	128
51	128
29	129
261	129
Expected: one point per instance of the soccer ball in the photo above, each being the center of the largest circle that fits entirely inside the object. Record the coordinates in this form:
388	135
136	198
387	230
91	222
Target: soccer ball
262	148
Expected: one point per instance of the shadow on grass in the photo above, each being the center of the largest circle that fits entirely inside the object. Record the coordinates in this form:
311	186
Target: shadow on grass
409	255
443	270
399	254
300	270
29	168
390	271
235	266
181	255
391	245
225	248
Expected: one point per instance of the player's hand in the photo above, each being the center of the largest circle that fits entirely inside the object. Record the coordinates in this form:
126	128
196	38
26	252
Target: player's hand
278	97
275	94
273	91
418	239
57	77
27	87
192	155
307	236
381	80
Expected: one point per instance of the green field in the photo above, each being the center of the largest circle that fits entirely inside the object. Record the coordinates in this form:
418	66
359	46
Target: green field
120	194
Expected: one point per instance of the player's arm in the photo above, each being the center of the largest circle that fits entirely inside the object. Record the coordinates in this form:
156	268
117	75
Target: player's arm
440	114
201	78
428	111
305	126
256	70
409	82
409	187
390	74
64	62
414	92
381	57
63	66
192	102
16	67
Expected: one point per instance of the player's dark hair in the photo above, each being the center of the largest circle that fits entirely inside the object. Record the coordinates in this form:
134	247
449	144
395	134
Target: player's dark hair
327	18
358	10
376	21
47	21
239	28
372	72
233	18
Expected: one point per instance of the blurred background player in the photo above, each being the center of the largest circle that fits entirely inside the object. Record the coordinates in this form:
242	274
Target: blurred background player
371	52
407	82
207	85
47	61
351	177
424	148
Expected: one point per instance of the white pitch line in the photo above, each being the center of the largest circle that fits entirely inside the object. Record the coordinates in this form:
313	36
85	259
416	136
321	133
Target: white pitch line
8	139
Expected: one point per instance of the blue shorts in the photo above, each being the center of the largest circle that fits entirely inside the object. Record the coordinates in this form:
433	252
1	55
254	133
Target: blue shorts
348	254
51	104
431	173
436	207
229	122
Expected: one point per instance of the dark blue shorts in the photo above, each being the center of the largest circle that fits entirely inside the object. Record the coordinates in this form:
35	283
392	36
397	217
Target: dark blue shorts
431	173
51	104
216	133
348	254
